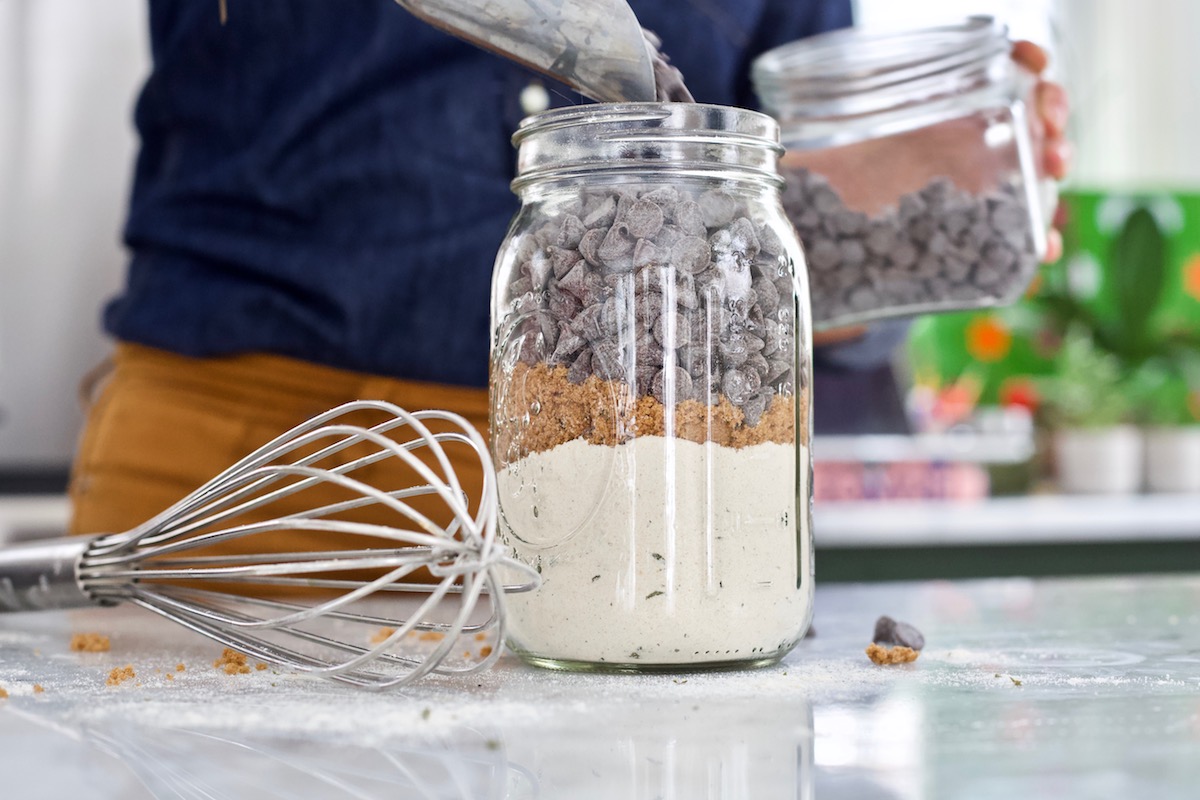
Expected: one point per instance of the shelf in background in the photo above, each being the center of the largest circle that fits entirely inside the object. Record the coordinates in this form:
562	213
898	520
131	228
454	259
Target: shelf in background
1037	535
1036	519
33	516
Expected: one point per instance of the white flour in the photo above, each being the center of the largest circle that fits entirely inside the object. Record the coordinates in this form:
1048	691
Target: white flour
658	551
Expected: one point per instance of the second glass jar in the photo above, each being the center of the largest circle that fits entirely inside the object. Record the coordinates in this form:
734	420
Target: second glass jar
912	168
650	392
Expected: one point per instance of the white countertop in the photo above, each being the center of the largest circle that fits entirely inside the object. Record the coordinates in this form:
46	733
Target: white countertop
1108	706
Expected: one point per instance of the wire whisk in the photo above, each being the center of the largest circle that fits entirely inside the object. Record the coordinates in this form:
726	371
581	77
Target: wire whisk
386	585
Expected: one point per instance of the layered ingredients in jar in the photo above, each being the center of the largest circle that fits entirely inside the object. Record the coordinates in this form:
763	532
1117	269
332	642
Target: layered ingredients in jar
649	417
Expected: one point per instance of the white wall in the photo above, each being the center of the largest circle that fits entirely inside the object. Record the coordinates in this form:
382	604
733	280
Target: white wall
1133	67
69	70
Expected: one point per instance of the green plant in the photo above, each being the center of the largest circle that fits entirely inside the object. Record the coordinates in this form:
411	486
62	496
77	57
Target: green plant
1119	367
1170	387
1088	386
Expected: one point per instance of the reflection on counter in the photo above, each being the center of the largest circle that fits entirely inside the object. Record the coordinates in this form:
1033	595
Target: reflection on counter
1031	689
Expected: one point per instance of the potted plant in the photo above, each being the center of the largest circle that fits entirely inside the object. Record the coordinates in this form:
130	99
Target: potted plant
1089	405
1172	423
1120	368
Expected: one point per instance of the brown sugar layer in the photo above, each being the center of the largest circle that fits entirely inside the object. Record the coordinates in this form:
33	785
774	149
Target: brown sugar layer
884	656
605	413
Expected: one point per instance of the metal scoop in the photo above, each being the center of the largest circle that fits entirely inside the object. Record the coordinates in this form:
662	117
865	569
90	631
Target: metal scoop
594	46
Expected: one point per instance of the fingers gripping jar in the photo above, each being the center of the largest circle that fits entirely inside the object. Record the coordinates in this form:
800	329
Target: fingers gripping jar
911	167
650	392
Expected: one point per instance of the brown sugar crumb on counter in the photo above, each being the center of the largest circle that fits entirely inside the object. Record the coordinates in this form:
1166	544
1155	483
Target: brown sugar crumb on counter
119	675
485	651
180	667
170	676
3	694
382	635
260	666
38	688
232	662
884	656
90	643
479	637
431	636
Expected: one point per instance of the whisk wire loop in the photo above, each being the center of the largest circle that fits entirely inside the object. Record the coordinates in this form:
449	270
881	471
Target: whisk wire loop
332	618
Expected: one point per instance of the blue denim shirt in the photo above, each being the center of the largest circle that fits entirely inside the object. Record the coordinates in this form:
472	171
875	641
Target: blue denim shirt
329	179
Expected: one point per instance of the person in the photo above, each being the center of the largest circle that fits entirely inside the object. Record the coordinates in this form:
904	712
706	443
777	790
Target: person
316	205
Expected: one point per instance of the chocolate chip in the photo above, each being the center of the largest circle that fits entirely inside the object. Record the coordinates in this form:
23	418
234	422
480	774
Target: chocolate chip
691	254
644	219
648	309
666	391
717	207
587	322
570	232
672	330
740	385
562	259
667	236
752	409
824	254
663	196
769	242
589	245
600	214
645	252
563	306
581	369
690	219
616	251
569	345
606	361
891	633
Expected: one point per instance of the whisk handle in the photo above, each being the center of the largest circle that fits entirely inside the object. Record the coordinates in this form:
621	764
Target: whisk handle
41	575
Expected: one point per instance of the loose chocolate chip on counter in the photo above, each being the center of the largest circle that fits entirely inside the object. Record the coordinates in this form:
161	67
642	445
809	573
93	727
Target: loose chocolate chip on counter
891	633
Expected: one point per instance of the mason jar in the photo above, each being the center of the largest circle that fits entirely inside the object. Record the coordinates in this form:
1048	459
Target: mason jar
650	378
912	176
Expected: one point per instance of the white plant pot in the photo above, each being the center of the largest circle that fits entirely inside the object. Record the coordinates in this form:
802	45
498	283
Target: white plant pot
1173	459
1099	460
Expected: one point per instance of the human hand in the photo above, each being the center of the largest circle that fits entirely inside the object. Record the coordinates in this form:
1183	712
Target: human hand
1048	126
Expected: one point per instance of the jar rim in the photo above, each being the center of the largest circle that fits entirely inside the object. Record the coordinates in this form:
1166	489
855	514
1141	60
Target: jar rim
696	118
682	139
867	58
848	75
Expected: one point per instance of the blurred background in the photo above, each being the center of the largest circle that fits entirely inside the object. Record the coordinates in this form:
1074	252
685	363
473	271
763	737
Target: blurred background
1097	367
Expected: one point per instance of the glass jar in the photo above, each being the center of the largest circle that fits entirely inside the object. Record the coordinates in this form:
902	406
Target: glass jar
911	171
650	391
